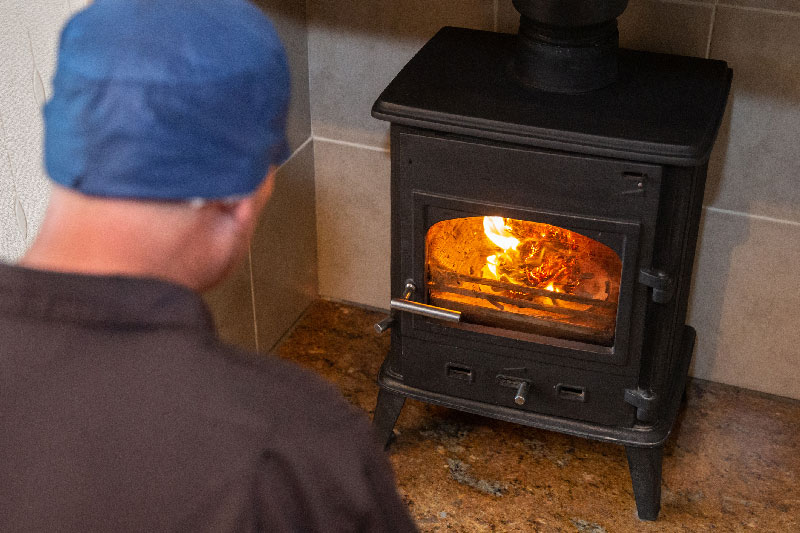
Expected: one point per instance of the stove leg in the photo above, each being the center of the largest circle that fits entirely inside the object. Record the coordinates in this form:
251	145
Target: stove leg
386	412
645	468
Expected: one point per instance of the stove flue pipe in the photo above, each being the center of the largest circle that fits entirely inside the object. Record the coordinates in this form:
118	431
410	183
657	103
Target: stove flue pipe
567	46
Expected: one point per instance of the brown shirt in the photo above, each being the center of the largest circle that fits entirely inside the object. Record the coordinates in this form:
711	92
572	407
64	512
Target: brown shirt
120	410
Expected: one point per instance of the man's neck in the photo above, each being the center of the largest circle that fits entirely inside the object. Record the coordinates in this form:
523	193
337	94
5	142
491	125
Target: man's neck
116	237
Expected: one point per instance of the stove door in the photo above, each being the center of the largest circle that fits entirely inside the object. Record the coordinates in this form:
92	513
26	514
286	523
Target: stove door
563	283
541	252
524	276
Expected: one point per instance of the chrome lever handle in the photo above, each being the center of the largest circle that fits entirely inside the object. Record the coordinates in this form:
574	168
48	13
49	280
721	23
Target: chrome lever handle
384	324
405	305
388	322
430	311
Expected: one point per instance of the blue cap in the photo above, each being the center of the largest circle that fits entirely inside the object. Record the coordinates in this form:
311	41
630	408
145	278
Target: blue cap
167	99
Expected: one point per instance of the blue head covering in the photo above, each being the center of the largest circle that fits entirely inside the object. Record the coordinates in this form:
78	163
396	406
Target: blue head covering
167	99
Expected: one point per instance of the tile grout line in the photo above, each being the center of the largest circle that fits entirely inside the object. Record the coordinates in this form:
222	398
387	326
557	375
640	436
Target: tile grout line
297	151
724	3
760	9
711	29
252	293
696	3
352	144
250	251
286	334
762	218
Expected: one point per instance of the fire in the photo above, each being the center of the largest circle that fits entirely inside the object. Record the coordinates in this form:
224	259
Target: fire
491	264
524	276
497	231
540	259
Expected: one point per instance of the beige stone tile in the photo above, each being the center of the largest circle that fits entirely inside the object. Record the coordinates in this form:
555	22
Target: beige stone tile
231	304
755	165
745	303
665	27
356	48
652	25
284	249
289	17
283	261
779	5
353	223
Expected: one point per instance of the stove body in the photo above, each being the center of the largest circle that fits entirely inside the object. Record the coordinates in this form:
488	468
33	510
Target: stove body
606	185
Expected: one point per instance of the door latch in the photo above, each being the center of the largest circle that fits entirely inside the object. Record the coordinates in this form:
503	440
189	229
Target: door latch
644	401
662	284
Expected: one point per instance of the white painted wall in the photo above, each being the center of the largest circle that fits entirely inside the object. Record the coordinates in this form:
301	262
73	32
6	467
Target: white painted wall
29	31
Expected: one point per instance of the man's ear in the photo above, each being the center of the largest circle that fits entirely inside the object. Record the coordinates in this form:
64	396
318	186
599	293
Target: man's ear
245	211
264	191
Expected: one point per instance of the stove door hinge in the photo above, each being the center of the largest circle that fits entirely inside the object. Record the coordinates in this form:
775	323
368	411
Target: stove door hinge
645	403
663	285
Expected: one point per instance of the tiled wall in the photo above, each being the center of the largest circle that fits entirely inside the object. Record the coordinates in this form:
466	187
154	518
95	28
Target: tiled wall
746	295
256	305
261	300
334	192
355	48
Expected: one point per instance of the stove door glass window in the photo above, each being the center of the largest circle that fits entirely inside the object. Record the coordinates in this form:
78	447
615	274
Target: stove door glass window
524	276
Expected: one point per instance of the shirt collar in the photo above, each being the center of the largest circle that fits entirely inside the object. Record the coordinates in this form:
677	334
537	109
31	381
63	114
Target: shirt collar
111	300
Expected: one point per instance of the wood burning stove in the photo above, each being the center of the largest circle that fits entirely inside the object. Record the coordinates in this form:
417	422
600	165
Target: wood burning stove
543	240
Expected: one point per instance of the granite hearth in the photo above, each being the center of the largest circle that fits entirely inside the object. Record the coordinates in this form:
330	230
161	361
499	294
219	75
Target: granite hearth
729	465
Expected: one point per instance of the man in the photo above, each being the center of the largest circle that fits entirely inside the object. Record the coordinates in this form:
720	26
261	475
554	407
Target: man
120	410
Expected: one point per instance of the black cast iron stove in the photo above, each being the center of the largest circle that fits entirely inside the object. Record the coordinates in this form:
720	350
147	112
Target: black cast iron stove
546	195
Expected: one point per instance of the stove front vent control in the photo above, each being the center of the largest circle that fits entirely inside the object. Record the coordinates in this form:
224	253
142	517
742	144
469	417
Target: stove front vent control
520	385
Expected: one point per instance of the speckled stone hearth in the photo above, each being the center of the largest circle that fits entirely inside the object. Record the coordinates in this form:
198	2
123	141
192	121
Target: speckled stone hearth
731	463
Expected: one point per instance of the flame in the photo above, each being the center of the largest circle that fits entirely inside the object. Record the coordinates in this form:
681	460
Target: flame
495	228
491	264
542	259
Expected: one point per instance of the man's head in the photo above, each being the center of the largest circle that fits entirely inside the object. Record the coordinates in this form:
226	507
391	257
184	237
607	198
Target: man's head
167	109
167	99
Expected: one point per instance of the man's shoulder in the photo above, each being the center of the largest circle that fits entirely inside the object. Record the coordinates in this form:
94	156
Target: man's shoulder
266	385
319	467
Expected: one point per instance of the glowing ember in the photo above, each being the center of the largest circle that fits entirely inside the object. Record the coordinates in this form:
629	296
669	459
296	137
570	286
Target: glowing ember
539	259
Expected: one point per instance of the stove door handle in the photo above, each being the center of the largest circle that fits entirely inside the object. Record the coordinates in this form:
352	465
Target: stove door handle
430	311
404	304
389	321
384	324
